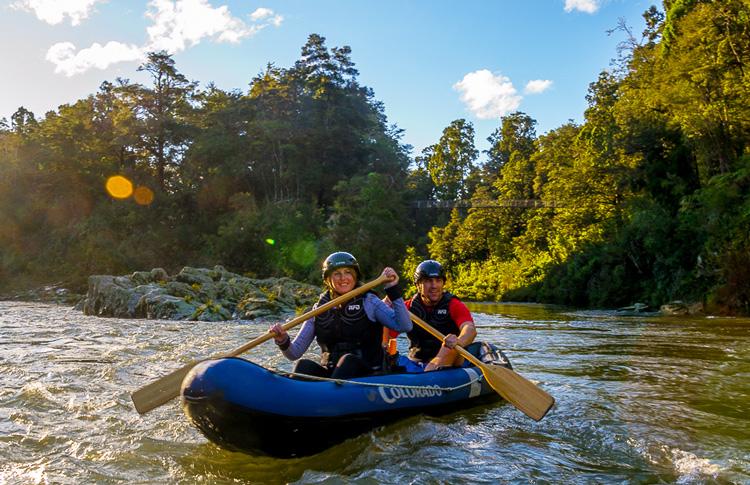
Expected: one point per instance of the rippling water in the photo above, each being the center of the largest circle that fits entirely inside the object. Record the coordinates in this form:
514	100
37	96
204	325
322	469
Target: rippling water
640	399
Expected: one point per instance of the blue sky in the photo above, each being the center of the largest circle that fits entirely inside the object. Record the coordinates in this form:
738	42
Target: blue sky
429	61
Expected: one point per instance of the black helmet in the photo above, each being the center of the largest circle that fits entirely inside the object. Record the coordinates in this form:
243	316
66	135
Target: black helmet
338	260
429	268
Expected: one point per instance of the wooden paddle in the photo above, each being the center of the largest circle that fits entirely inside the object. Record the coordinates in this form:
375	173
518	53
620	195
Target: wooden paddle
513	387
168	387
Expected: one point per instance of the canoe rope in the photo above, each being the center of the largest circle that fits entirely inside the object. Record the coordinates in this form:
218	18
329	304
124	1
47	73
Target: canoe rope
373	384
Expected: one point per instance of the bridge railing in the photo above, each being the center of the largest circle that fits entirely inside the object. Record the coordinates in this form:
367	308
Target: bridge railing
479	204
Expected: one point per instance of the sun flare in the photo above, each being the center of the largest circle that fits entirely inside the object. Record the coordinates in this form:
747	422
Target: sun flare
119	187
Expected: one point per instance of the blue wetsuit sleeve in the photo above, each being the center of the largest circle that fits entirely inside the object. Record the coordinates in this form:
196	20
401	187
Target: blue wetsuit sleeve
396	318
301	341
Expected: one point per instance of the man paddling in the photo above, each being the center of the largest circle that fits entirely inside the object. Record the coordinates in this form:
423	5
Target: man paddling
444	312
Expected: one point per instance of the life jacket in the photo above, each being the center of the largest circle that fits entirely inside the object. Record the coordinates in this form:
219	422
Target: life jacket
348	330
422	345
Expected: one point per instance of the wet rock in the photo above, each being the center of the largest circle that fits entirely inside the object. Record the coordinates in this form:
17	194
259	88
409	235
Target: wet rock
254	307
197	277
634	308
163	306
274	296
211	312
183	290
194	294
679	307
159	275
111	296
141	277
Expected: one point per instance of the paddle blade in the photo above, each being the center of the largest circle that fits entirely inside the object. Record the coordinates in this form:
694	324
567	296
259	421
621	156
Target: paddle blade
519	391
168	387
160	391
514	388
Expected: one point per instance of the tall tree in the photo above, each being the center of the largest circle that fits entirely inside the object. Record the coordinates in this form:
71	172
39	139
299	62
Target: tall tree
341	130
703	78
515	135
276	95
23	121
164	110
451	160
370	220
115	123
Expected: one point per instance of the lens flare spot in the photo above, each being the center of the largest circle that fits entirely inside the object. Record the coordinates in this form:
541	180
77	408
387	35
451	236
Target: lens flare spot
119	187
270	241
143	195
304	253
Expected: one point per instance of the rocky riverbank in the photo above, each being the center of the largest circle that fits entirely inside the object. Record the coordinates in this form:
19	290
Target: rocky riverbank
194	294
217	294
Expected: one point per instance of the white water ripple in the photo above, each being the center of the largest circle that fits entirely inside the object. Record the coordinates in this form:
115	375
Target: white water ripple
638	400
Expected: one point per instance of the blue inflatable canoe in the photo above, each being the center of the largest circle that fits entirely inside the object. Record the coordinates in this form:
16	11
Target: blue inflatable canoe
242	406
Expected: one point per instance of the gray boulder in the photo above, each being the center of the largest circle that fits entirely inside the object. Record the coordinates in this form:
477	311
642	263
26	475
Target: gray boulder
163	306
194	294
679	307
111	296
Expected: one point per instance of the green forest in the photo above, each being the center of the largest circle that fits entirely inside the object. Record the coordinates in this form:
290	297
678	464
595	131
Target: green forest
646	200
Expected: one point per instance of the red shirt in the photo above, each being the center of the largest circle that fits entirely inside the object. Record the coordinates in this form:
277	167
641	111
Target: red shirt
456	308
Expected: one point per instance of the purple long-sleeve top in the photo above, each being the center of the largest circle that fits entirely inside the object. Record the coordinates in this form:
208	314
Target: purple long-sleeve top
396	318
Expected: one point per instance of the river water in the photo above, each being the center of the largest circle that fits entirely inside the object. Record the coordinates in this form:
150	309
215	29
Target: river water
640	399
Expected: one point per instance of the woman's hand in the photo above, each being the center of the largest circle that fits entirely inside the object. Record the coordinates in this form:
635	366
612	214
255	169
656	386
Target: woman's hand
390	273
279	334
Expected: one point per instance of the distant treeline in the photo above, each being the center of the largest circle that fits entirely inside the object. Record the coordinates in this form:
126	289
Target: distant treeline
648	200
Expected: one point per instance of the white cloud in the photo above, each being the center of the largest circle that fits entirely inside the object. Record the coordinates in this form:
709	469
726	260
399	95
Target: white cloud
588	6
184	23
70	63
267	13
261	13
488	95
537	86
177	25
54	11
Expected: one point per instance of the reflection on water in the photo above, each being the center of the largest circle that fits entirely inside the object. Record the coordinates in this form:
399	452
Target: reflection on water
640	399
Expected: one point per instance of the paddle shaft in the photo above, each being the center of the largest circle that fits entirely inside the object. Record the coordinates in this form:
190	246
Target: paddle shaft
514	388
306	316
168	387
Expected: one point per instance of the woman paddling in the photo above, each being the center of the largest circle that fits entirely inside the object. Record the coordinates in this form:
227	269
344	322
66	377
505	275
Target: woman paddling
349	336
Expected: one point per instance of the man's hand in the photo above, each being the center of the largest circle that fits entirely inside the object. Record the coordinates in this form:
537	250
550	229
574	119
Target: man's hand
434	364
450	341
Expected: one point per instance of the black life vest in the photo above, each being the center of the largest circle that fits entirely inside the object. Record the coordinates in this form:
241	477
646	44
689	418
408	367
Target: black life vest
348	330
422	345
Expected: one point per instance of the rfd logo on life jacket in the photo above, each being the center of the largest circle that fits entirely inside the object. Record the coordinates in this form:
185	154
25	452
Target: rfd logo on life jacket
353	308
442	311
